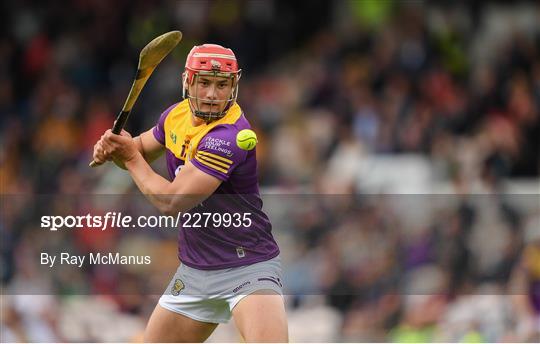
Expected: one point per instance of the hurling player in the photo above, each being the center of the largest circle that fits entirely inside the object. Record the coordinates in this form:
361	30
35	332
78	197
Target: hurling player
228	268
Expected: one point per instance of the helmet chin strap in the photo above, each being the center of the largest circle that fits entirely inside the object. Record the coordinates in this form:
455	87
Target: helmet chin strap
209	116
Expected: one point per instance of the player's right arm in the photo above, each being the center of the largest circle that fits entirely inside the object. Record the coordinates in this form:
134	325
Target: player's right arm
149	147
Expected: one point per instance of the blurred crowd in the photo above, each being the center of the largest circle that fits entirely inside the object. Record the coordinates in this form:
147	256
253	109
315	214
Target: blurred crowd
454	269
329	87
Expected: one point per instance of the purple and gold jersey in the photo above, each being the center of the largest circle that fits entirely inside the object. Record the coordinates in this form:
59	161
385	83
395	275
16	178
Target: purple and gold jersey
218	244
532	266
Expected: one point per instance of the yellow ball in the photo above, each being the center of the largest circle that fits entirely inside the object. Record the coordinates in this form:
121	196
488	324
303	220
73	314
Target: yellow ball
246	139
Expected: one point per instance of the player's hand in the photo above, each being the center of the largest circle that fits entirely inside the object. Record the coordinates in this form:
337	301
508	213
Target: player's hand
100	155
119	147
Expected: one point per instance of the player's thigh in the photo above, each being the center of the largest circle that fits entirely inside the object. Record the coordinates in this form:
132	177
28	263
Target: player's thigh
261	317
167	326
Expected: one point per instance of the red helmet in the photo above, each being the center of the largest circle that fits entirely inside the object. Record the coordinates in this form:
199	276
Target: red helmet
210	60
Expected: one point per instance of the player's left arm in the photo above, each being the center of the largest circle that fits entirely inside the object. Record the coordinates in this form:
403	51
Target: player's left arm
190	187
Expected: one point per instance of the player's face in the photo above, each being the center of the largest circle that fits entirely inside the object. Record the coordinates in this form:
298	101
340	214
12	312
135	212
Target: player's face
212	92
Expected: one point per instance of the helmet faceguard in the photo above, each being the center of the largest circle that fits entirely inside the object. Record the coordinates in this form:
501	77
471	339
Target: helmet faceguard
214	61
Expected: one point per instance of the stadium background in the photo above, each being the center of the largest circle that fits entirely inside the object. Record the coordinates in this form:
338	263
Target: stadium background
422	117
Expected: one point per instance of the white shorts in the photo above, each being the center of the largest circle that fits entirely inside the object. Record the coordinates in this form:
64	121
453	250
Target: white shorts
211	295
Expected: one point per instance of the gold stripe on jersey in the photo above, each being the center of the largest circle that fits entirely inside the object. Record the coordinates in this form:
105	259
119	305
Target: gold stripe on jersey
212	166
177	126
213	161
215	156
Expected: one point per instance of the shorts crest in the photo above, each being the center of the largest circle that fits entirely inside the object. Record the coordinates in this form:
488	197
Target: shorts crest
177	287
